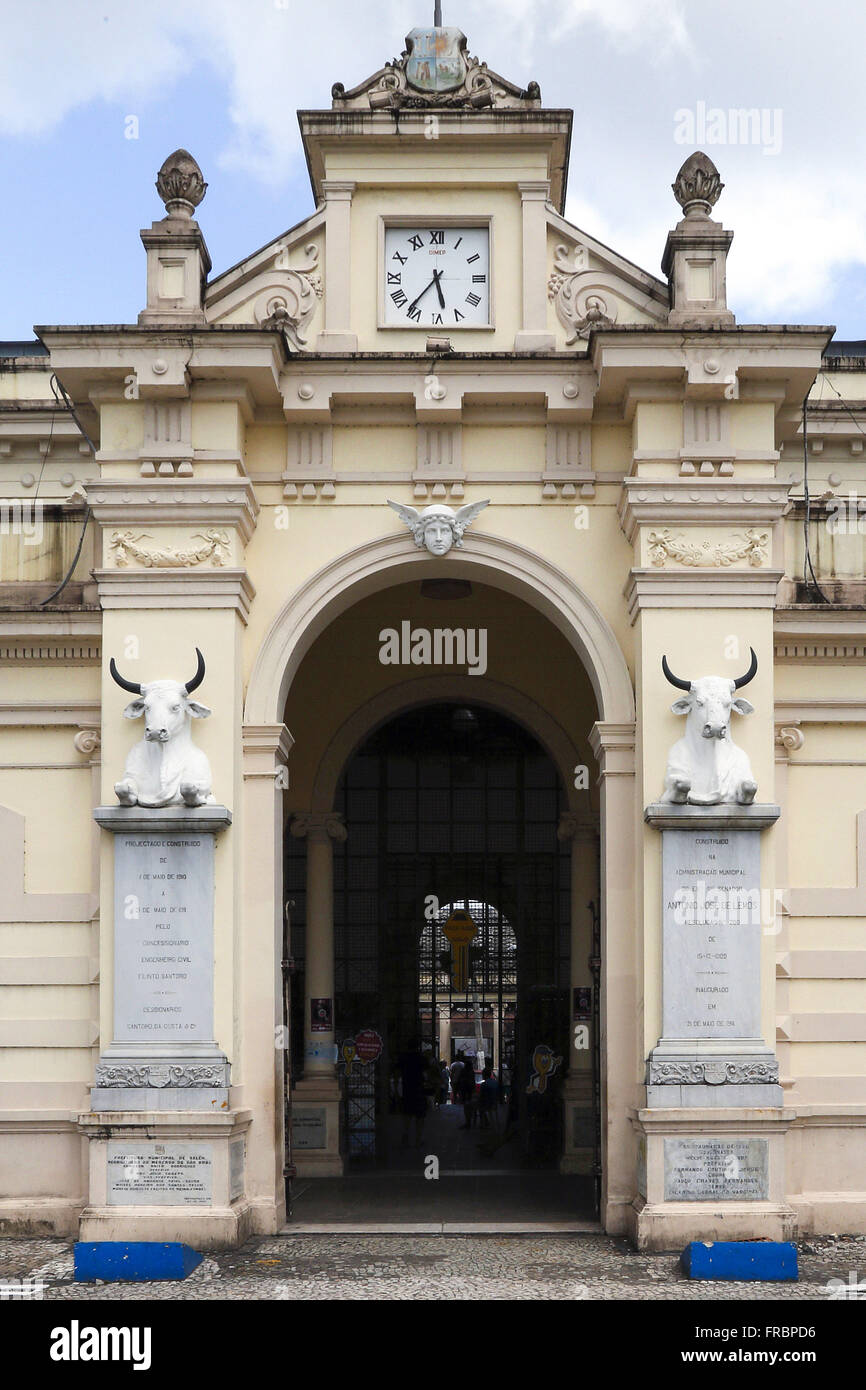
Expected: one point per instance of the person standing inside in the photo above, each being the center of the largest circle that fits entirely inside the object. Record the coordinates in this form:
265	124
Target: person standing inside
412	1068
466	1091
456	1069
488	1097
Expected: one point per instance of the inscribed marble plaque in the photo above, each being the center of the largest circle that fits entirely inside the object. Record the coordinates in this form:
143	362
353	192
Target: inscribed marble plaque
170	1174
712	933
707	1170
163	938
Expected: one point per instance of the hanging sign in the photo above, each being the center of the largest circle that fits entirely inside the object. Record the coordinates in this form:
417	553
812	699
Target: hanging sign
544	1064
349	1053
368	1045
460	930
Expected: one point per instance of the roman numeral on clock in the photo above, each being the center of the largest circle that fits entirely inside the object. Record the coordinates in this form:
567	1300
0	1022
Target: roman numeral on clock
398	257
458	316
437	318
437	238
399	298
471	259
416	242
415	314
474	300
394	277
479	279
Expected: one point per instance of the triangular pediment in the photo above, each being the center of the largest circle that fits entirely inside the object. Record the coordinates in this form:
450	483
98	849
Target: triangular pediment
591	286
279	285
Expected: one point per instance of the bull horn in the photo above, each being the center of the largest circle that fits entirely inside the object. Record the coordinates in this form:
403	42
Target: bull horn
750	674
131	686
199	675
674	680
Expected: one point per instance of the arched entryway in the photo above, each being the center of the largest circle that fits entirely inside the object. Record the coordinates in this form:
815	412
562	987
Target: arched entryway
310	677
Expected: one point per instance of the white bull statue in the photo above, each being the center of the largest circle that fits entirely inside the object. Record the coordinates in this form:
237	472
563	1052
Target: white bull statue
705	767
165	768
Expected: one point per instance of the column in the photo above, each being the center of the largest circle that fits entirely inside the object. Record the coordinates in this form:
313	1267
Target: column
534	335
258	1079
579	1146
613	747
337	335
316	1102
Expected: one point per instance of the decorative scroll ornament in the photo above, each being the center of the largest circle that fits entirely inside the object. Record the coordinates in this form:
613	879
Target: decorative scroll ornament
435	70
125	548
753	546
160	1074
438	527
87	740
714	1073
291	304
789	737
180	185
331	822
576	293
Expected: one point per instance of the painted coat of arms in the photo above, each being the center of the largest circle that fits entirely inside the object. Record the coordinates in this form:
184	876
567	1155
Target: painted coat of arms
436	61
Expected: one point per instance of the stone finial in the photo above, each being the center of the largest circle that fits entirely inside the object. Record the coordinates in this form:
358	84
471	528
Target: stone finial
697	186
180	185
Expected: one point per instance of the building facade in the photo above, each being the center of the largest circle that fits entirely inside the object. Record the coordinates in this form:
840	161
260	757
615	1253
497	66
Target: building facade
435	707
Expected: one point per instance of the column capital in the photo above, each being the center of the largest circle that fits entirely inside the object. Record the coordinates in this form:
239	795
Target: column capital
535	190
266	749
577	827
613	746
338	190
700	588
318	825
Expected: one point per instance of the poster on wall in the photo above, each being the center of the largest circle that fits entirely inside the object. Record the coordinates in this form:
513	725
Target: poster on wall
321	1015
582	1001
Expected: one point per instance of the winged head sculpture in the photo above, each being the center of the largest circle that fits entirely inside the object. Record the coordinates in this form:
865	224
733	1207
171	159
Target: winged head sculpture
438	527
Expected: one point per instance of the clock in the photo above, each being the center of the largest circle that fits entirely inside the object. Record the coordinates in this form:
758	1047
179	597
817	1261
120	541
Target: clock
436	277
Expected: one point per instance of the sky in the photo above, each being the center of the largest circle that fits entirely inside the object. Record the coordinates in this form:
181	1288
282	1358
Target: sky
94	94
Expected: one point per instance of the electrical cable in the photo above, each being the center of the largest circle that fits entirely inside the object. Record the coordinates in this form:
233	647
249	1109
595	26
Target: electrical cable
63	397
807	565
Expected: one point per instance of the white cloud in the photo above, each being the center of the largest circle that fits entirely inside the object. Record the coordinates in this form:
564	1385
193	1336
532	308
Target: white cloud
625	65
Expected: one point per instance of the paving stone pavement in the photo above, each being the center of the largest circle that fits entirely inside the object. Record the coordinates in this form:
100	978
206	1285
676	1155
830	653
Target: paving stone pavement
413	1267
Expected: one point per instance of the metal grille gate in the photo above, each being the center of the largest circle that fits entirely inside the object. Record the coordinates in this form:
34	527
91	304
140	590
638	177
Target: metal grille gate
460	807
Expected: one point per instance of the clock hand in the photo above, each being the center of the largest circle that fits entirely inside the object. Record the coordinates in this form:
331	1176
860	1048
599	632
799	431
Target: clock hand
424	291
437	276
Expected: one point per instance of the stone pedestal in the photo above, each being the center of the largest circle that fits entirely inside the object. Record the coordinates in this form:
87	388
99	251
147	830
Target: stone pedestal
710	1141
155	1173
163	1055
316	1127
166	1152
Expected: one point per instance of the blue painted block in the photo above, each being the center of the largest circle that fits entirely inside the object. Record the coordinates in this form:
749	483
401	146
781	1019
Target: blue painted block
768	1260
133	1261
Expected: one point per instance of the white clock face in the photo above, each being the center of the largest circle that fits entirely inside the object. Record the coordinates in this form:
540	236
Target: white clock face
437	277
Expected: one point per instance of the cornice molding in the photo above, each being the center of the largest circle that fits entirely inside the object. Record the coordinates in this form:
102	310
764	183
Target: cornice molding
696	588
186	502
161	588
664	502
